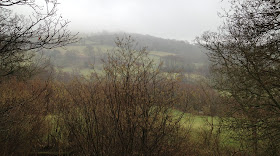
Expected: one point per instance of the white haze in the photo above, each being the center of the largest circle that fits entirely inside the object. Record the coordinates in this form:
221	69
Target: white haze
173	19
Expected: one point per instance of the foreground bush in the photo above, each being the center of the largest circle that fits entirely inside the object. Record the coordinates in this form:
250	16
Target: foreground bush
22	116
128	111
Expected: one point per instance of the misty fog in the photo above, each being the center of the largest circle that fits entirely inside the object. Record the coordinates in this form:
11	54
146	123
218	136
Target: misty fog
172	19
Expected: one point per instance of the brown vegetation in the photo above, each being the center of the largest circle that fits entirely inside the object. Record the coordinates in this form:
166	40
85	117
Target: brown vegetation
131	110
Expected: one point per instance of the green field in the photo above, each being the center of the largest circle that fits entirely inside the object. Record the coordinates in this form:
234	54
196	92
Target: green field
80	51
76	64
104	48
200	126
161	53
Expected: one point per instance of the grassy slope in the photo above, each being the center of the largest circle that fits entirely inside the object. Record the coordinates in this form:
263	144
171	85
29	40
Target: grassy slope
103	48
200	125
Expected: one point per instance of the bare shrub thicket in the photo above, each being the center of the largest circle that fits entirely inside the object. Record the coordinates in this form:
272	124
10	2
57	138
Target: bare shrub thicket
127	111
22	116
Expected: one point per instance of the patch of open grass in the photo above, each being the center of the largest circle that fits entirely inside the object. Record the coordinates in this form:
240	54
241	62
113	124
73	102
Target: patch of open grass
199	124
161	53
74	48
194	76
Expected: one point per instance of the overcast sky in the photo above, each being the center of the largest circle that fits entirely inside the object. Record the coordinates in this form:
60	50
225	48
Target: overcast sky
173	19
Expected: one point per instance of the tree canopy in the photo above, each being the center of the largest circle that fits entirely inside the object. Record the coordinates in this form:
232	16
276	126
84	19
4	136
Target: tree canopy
246	64
22	34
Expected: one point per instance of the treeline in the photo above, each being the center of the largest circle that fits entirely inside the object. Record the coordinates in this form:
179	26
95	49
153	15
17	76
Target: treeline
178	64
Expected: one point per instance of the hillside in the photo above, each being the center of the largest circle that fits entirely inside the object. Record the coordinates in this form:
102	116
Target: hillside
190	52
177	56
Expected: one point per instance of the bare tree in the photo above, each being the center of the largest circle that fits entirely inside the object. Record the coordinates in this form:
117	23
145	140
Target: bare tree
129	110
21	35
22	105
246	65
